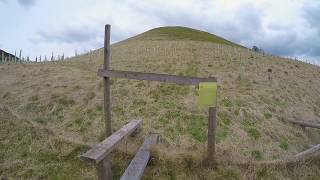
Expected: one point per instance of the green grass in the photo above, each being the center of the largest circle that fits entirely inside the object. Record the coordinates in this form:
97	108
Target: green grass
284	145
195	127
256	154
176	33
253	133
267	115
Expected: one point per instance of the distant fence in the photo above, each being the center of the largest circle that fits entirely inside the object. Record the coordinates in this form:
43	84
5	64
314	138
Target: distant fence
10	58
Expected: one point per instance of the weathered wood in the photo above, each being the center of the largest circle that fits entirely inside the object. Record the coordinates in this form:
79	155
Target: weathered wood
138	164
104	170
106	80
20	55
183	80
2	57
307	152
98	152
211	135
305	124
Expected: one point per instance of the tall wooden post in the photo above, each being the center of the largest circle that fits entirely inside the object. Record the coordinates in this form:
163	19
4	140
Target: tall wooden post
107	97
15	56
212	123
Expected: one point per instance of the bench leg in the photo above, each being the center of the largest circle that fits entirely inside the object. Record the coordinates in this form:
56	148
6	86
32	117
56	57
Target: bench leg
104	170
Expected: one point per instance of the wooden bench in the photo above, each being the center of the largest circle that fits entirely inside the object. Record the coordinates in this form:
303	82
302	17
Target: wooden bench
98	154
140	160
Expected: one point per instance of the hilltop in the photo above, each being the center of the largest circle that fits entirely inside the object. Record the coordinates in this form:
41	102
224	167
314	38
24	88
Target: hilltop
182	33
52	111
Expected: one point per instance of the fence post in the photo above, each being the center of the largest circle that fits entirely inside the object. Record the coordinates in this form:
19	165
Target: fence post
212	123
20	55
2	57
107	97
15	56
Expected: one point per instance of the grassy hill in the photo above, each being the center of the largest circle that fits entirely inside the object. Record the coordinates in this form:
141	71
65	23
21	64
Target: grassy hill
51	112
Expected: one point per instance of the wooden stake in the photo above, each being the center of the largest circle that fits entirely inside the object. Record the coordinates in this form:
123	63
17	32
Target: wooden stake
107	97
104	170
20	55
211	135
2	57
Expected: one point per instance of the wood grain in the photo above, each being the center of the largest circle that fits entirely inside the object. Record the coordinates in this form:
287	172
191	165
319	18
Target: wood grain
183	80
138	164
98	152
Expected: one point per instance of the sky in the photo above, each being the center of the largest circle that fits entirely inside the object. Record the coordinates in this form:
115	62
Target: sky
289	28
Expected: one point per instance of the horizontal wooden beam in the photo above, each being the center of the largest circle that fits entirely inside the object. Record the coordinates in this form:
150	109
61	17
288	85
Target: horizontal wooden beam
184	80
307	152
305	124
99	151
138	164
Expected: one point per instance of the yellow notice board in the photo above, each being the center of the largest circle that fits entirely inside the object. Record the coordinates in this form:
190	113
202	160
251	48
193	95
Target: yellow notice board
207	94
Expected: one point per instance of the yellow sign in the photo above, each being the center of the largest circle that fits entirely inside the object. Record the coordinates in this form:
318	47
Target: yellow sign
207	94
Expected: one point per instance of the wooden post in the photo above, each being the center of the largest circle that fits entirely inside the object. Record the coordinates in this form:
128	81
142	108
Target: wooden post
107	97
20	55
212	123
2	57
104	170
15	56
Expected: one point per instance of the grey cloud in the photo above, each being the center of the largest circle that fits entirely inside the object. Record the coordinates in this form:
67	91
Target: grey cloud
26	3
311	14
70	35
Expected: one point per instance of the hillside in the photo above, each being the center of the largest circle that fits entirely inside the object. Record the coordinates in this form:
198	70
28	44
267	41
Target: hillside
52	111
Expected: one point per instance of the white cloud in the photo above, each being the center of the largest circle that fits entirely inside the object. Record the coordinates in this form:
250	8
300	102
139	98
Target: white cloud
287	27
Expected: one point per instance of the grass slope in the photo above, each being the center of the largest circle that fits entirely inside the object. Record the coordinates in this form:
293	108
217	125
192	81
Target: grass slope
52	111
183	33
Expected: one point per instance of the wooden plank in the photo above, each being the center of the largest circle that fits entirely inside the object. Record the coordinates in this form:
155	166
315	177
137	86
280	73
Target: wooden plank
305	124
101	150
139	162
307	152
183	80
106	80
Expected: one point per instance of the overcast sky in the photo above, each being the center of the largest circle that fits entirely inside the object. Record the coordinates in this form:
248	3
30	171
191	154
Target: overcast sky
38	27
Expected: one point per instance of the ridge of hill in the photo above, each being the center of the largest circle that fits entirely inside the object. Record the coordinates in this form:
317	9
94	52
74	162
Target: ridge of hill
54	110
182	33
